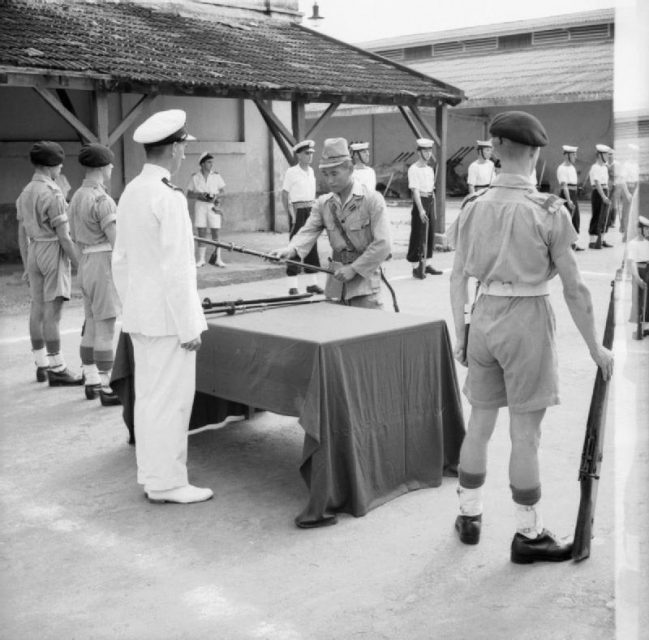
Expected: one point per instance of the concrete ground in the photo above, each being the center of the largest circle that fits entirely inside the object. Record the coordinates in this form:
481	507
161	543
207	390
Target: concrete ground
85	556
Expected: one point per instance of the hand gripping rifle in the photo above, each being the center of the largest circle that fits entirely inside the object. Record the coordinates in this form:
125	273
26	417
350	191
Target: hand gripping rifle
591	457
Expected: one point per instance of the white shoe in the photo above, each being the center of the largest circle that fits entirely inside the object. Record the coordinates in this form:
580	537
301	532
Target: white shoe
220	263
180	495
200	263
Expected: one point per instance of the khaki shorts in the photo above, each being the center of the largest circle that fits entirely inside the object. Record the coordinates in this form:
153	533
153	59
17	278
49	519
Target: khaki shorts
49	272
207	219
100	300
512	354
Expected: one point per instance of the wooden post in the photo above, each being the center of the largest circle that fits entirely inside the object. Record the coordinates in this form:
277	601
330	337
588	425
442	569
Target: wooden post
441	124
298	122
100	100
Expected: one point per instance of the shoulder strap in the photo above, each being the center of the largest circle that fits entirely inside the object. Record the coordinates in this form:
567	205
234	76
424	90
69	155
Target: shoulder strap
167	183
549	202
339	226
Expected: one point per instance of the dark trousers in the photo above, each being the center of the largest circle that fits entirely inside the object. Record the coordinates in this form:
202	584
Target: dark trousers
598	220
301	216
422	236
575	216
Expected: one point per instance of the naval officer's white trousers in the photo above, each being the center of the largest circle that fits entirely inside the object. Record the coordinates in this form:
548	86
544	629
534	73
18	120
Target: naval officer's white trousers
165	381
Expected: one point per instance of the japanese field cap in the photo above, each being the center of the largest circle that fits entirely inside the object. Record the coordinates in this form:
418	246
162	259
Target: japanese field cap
484	143
424	143
335	152
359	146
162	128
603	148
47	153
643	222
568	149
205	156
519	126
303	145
95	155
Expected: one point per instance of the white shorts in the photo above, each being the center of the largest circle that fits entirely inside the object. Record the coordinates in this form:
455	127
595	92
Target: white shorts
206	218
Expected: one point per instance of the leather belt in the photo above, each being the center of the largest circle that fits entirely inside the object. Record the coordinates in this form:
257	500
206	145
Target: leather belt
571	186
303	204
97	248
480	186
514	289
426	194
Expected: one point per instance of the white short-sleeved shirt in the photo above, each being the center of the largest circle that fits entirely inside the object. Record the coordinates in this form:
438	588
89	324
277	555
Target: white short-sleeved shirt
566	174
598	173
638	249
299	184
421	178
629	171
480	173
214	184
366	176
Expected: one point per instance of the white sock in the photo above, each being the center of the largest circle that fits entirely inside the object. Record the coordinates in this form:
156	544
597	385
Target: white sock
201	253
57	363
40	357
293	282
104	377
91	374
470	501
528	520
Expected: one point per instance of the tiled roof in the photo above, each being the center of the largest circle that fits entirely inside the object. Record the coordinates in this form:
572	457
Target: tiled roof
137	49
575	73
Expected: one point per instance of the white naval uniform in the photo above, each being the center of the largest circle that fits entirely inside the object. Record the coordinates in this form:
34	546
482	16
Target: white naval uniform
366	176
155	276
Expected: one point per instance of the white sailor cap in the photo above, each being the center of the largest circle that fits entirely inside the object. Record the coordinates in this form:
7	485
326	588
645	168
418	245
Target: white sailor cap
569	149
163	127
424	143
643	222
603	148
359	146
303	145
205	156
484	143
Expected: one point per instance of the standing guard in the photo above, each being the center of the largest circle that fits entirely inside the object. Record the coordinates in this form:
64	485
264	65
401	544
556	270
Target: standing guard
568	180
92	226
421	182
599	200
360	152
513	240
482	170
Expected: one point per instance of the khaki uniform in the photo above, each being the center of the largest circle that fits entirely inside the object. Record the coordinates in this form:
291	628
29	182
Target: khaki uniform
91	211
364	218
41	208
508	238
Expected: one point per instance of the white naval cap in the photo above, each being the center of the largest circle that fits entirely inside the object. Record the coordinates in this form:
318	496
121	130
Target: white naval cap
303	145
643	222
484	143
603	148
569	149
206	155
163	127
359	146
424	143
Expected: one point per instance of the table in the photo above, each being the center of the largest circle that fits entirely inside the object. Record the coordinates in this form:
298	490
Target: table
375	392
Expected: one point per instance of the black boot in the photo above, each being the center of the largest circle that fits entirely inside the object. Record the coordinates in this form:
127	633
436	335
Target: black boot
92	391
468	527
108	397
544	548
41	374
419	272
64	378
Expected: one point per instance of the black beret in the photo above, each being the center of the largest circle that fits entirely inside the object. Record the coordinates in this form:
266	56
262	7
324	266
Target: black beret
95	155
47	154
519	126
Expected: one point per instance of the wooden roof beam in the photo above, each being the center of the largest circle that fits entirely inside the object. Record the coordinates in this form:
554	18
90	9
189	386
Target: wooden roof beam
67	115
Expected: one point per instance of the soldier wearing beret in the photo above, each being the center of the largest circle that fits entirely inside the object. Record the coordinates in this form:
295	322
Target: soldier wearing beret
513	240
47	251
92	226
155	276
357	227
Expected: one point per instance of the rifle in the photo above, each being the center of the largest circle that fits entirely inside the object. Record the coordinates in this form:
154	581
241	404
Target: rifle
642	303
591	456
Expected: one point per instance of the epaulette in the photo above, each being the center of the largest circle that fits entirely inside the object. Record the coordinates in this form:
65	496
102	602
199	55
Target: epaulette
548	201
167	183
473	197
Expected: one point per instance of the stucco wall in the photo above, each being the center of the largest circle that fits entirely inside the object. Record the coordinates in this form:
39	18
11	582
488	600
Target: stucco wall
232	130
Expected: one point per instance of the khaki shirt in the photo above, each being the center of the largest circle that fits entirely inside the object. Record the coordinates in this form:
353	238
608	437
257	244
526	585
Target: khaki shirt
511	233
91	211
365	220
41	208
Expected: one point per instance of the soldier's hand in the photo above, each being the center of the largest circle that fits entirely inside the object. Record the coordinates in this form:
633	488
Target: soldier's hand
423	217
345	274
25	277
571	206
459	353
604	360
192	345
640	282
283	254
